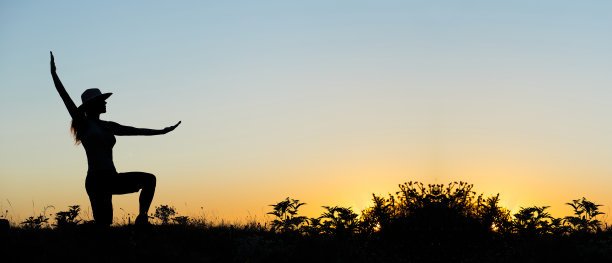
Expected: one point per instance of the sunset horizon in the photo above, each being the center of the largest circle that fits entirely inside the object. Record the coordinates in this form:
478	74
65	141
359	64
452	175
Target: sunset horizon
327	103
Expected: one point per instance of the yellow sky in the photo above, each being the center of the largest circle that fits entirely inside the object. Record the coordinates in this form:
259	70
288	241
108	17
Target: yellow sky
323	102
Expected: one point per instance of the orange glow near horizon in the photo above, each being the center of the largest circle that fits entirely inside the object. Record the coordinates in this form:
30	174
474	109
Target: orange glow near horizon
327	102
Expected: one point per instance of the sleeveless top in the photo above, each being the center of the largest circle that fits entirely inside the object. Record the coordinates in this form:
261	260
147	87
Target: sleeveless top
98	141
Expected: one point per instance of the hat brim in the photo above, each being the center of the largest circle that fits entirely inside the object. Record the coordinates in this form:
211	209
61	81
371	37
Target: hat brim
96	98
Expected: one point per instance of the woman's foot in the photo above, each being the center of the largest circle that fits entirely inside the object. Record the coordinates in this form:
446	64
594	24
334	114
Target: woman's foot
142	221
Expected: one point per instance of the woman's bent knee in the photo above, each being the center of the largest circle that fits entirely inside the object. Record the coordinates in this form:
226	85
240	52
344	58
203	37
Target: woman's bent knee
150	180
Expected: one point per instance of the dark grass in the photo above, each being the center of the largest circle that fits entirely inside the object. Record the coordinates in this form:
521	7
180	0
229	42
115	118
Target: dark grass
420	223
251	243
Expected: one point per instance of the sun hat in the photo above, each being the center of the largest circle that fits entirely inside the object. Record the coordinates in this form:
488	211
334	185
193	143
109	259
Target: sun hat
90	95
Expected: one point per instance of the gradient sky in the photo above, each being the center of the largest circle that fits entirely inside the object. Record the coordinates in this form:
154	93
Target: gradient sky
323	101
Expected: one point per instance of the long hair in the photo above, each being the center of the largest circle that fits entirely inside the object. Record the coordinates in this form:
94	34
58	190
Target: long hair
75	131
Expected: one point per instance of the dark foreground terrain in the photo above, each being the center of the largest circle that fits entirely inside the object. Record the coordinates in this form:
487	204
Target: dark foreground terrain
176	243
419	223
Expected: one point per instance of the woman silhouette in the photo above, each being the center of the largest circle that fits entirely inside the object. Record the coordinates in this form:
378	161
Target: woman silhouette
98	139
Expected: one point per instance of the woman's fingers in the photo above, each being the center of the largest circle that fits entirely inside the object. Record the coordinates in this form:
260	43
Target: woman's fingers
176	125
52	61
171	128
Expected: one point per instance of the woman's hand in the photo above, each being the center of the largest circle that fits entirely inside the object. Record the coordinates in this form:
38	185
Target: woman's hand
171	128
52	63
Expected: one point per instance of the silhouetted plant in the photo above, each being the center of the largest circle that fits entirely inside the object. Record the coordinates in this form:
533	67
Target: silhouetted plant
534	221
35	222
584	216
163	213
312	226
181	220
4	223
340	221
436	214
414	196
379	215
493	215
198	222
286	215
68	218
558	227
435	207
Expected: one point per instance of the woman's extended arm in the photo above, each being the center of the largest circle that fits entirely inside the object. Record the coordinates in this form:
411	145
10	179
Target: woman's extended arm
120	130
72	108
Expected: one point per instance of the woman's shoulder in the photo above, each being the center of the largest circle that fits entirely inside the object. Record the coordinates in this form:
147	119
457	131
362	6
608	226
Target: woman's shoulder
85	123
108	124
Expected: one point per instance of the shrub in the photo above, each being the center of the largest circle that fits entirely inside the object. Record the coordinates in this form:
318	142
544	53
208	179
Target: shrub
534	221
286	215
163	213
584	216
68	218
181	220
492	214
436	214
35	222
340	221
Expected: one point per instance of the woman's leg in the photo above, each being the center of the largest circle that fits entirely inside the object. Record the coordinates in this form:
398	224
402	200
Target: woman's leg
131	182
102	208
101	201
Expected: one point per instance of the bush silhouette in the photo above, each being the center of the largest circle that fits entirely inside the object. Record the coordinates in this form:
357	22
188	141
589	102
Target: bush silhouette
286	216
417	209
340	221
584	216
181	220
68	218
163	213
35	222
533	221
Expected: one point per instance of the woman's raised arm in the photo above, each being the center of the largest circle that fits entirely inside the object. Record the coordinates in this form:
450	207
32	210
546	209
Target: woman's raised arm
72	108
